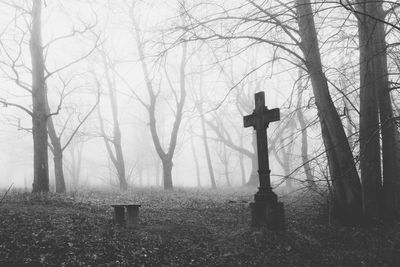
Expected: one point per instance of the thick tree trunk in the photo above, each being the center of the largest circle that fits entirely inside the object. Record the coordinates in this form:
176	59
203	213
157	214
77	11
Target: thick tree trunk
58	169
347	187
389	130
374	75
39	117
57	154
370	159
167	174
57	158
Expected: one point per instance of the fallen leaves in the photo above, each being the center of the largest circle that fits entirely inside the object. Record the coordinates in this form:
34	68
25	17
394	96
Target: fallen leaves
178	228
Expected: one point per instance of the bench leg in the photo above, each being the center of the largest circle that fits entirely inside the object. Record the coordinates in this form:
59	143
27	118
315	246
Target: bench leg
119	213
132	216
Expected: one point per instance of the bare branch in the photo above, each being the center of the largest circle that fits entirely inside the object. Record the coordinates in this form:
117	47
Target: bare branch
5	103
82	121
74	61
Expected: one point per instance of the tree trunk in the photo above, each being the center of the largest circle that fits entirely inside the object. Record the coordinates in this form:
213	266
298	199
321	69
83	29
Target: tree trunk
228	179
58	158
224	137
241	164
167	174
166	157
350	128
39	117
158	173
225	161
286	169
78	166
373	61
304	153
370	159
346	183
75	151
288	155
207	149
58	171
389	130
119	164
304	137
196	162
118	159
253	179
57	153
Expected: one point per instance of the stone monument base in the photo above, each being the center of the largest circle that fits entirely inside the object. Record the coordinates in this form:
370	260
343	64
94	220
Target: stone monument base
267	212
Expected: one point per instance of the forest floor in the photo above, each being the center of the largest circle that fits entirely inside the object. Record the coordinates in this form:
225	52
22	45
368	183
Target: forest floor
185	227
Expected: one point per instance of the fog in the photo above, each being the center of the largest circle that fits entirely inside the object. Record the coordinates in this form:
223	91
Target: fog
199	133
87	42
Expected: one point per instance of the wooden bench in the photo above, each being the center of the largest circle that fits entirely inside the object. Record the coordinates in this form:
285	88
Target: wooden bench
132	214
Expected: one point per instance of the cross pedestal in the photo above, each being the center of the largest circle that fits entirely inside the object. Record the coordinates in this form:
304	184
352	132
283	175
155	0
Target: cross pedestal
266	211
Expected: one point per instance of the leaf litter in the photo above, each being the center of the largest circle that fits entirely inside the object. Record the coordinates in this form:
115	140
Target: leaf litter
183	227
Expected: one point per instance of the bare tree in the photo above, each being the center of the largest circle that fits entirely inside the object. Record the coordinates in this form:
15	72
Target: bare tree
39	103
344	176
300	42
37	90
376	112
115	154
41	113
166	156
56	146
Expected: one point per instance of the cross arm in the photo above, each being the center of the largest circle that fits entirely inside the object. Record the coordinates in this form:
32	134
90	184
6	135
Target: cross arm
271	115
249	120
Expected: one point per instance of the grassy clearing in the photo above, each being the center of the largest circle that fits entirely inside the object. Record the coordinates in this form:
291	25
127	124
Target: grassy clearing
180	228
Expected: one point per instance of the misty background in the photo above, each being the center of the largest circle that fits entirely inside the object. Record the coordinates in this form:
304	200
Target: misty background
88	42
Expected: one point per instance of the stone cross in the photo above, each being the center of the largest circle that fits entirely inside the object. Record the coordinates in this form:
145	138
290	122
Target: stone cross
260	120
266	210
